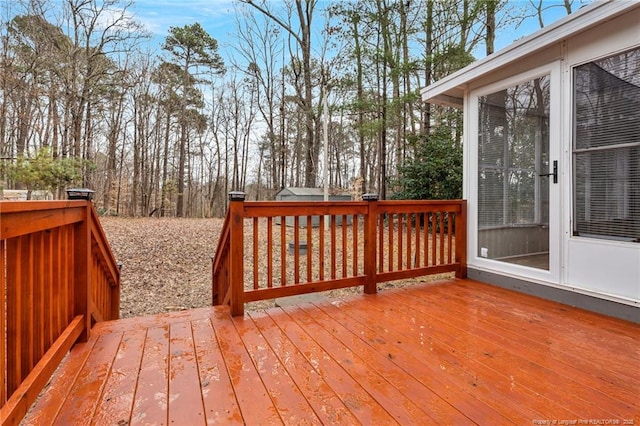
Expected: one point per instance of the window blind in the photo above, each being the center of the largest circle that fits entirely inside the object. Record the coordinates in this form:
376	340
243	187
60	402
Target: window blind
606	149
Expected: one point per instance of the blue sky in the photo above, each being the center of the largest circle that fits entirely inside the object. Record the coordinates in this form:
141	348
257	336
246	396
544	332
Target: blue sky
218	18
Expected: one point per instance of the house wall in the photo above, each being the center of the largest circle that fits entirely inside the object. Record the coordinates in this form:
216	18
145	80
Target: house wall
584	267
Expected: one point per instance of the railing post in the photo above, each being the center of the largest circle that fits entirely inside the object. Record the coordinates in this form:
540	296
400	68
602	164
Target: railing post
461	240
370	239
236	252
82	272
82	256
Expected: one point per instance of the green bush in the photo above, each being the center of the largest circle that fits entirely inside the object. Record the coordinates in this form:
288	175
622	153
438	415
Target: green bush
43	172
435	171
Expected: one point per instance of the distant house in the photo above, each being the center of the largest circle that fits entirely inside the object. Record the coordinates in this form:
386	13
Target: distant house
552	160
309	194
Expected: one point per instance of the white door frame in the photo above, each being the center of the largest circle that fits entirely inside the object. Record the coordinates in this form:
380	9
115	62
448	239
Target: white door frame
556	205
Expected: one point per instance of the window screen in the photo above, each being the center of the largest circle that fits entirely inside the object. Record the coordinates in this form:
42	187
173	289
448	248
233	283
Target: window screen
606	150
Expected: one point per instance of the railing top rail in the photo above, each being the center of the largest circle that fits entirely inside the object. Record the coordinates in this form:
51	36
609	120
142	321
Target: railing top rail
310	208
14	206
302	208
19	218
434	203
105	249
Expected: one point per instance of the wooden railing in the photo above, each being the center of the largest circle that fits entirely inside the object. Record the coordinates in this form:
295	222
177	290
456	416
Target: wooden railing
58	276
267	250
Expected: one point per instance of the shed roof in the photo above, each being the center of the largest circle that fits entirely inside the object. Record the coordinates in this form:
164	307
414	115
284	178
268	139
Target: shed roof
450	90
293	190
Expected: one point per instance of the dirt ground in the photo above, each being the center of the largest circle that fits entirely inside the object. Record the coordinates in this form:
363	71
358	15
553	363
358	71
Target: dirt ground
167	264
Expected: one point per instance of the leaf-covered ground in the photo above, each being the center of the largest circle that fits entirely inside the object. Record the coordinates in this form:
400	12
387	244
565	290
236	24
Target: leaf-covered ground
166	262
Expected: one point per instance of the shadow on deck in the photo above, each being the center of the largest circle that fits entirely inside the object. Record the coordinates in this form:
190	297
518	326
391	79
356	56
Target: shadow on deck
453	352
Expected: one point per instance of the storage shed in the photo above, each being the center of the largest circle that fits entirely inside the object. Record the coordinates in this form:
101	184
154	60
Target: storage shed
552	160
310	194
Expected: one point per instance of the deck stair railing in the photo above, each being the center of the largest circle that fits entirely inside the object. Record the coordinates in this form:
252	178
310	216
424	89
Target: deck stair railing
276	249
58	276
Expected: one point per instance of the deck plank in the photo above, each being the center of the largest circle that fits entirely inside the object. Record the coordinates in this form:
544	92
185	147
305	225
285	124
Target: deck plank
291	404
361	404
454	352
488	391
87	389
576	347
185	400
47	407
566	362
583	397
326	404
536	387
251	394
150	402
398	405
117	398
380	356
420	379
217	391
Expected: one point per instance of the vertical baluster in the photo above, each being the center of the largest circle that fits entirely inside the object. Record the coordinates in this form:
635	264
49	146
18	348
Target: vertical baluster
381	248
296	246
256	263
400	240
3	335
434	229
283	251
354	232
269	252
418	218
309	248
332	225
28	302
409	232
449	238
441	237
321	248
425	240
344	246
390	242
14	308
39	300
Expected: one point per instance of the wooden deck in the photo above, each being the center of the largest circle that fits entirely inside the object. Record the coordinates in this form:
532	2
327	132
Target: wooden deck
454	352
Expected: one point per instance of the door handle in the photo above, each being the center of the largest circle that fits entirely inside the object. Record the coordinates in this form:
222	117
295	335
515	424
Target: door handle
555	172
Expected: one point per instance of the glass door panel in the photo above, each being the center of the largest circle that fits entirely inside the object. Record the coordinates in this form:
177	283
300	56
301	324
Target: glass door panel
514	170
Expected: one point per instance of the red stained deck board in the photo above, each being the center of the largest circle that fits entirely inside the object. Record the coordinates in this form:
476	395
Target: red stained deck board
456	352
326	404
508	379
355	397
291	404
556	385
362	368
150	402
473	389
87	389
185	401
217	391
542	351
252	396
409	373
117	398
